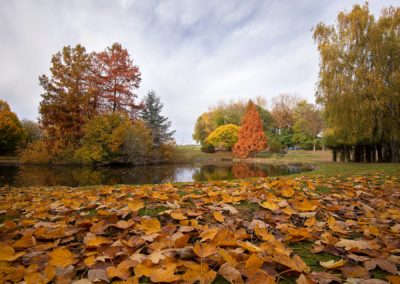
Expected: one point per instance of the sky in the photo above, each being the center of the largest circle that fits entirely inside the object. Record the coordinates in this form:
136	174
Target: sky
192	53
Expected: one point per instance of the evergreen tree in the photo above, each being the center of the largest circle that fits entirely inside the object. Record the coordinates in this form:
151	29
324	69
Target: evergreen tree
151	115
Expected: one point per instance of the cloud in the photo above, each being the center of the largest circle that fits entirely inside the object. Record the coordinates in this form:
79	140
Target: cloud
191	52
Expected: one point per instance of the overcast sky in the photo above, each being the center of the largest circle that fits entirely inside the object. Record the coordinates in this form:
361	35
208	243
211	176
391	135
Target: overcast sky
192	53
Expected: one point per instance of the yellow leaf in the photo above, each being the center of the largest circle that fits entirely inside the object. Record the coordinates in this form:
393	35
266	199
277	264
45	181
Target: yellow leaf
7	253
26	241
332	264
164	273
218	216
295	263
204	249
136	205
90	260
208	234
249	246
254	262
34	278
93	241
149	226
227	257
264	234
178	216
61	257
269	205
306	205
287	192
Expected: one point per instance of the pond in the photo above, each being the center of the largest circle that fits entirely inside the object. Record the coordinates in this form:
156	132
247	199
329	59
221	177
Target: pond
25	175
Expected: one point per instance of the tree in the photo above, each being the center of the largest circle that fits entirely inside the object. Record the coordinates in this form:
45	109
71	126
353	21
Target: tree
228	113
32	131
282	110
251	136
202	128
224	137
358	84
116	78
158	124
11	132
65	102
114	138
308	124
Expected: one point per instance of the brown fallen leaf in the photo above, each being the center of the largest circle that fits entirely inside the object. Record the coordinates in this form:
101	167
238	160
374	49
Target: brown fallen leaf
384	264
231	274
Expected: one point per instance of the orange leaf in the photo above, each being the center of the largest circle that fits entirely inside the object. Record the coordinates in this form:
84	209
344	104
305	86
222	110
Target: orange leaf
61	257
204	249
218	216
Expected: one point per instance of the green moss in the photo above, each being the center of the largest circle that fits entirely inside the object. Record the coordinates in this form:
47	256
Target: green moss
323	189
303	249
248	206
220	280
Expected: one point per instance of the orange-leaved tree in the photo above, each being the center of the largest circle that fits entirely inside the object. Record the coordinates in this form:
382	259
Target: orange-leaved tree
251	136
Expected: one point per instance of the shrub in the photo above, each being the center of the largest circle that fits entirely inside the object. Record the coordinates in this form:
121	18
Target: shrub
36	153
224	137
207	148
274	145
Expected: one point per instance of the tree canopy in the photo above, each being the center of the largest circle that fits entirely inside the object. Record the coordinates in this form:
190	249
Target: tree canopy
11	131
158	124
251	136
359	83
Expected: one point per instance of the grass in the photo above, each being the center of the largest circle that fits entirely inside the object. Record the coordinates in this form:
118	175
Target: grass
192	153
152	212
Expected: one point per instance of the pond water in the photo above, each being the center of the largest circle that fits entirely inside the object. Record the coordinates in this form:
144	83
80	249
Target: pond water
25	175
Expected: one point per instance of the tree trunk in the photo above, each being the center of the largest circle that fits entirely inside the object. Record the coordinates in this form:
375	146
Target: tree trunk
334	155
368	153
395	151
342	155
357	153
347	154
379	153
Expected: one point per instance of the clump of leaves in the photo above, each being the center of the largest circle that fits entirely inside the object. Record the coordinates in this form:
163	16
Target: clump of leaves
255	231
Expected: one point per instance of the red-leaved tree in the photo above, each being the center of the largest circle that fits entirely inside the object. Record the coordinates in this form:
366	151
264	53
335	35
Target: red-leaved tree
116	79
251	136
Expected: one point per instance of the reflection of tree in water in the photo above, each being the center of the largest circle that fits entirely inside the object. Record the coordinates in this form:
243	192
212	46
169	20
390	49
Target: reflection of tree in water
247	171
213	172
81	176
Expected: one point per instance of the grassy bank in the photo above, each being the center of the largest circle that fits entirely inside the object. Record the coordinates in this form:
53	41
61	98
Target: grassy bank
321	161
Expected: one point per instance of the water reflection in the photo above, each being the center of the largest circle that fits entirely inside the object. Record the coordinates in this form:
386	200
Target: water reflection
80	176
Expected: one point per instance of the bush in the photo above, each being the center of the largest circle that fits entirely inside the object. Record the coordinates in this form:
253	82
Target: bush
224	137
36	153
274	144
113	138
207	148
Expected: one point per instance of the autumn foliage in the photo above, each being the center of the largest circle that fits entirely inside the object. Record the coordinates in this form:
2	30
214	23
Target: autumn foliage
251	136
315	230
